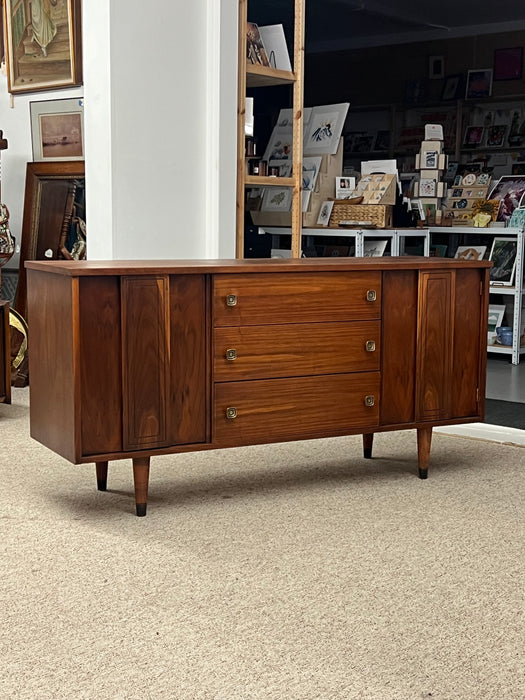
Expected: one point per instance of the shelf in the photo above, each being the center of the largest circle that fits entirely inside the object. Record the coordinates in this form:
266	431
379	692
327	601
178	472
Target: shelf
262	76
497	289
267	181
504	349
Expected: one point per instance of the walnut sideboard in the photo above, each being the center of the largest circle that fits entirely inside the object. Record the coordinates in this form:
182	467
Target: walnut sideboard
142	358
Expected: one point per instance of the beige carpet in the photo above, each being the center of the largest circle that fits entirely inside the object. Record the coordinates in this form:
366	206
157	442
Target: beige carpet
285	572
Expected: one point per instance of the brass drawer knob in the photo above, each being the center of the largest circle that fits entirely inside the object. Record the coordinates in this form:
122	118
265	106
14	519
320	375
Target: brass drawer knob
370	345
231	300
371	295
231	354
231	412
370	400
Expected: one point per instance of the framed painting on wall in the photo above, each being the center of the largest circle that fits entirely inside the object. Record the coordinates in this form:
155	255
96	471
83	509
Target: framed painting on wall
57	129
43	44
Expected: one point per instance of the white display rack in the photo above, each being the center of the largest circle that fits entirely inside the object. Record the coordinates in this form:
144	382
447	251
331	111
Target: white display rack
516	292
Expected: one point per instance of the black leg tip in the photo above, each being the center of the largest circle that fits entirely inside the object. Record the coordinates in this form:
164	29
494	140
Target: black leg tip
367	453
141	509
102	485
423	473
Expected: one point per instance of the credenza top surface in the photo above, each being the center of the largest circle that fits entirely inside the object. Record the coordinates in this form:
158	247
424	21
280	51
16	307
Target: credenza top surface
86	268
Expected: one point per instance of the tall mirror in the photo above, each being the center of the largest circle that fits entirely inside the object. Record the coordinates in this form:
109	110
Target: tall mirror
54	223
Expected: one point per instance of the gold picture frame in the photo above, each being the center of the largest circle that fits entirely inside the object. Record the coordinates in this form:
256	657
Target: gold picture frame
42	44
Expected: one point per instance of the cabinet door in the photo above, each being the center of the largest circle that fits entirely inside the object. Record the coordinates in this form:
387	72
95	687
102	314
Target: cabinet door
165	376
434	345
451	344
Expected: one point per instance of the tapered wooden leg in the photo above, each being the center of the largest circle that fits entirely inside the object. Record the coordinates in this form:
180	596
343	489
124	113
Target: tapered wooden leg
424	439
368	441
102	475
141	480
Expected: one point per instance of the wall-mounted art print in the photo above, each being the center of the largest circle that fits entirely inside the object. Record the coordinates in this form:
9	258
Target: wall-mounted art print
508	63
43	44
57	129
324	129
479	83
496	135
436	67
451	87
473	135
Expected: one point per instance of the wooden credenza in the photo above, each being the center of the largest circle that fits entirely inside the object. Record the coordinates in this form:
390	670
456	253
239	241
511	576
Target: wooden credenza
135	359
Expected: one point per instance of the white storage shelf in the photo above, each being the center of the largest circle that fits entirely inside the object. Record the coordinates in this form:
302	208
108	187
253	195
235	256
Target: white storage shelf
516	292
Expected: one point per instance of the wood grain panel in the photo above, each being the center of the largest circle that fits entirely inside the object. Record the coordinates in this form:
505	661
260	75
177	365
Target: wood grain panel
189	367
272	410
300	297
398	357
145	352
434	345
53	362
296	350
100	364
5	354
468	350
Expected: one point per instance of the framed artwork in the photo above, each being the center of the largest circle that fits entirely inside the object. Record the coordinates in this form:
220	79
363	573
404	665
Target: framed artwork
276	199
255	51
470	252
373	248
473	135
496	134
324	129
57	129
509	190
451	87
479	83
508	63
496	313
503	255
325	212
43	44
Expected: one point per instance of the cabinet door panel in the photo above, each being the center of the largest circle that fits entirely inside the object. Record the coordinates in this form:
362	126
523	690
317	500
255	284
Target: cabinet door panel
434	345
145	360
272	410
189	370
296	350
398	357
469	346
298	297
100	364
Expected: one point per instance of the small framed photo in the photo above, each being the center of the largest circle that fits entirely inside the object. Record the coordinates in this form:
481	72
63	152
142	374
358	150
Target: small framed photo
451	87
496	313
429	160
473	135
436	67
508	64
57	129
325	212
373	248
496	134
503	255
470	252
479	83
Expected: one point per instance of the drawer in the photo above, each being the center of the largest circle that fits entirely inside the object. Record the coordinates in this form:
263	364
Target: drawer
298	297
276	410
296	349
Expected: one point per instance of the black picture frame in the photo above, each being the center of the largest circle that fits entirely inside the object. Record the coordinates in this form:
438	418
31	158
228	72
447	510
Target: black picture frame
452	87
508	63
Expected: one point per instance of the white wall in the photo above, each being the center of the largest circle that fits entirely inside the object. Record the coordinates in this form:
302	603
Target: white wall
160	129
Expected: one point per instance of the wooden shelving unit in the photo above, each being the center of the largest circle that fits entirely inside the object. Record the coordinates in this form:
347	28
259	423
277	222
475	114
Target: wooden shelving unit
251	75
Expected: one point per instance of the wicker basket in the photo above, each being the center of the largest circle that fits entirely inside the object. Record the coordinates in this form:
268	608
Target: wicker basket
356	215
